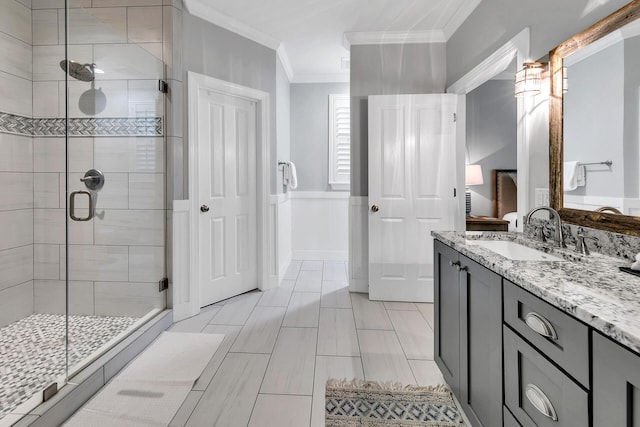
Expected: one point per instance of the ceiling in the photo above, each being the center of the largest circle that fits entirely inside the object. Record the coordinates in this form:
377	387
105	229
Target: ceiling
313	37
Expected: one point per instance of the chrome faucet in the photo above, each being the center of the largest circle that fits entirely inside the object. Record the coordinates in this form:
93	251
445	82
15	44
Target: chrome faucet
558	237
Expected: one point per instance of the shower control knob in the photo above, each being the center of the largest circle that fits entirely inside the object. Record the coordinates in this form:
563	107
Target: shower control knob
204	208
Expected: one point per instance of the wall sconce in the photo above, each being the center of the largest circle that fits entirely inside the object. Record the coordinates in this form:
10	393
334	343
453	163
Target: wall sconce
473	176
529	79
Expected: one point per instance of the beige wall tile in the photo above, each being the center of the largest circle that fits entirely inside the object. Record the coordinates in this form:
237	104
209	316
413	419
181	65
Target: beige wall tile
16	56
97	263
46	262
129	154
50	297
47	99
16	303
16	266
146	263
17	228
97	25
144	24
16	190
16	153
146	191
45	27
16	95
127	299
130	227
15	20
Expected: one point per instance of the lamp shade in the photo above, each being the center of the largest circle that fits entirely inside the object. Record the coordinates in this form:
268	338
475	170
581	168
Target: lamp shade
473	175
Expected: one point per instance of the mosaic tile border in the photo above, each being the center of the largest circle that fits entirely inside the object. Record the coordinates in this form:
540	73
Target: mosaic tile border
111	126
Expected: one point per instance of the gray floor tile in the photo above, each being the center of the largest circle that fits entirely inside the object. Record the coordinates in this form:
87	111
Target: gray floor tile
337	333
291	366
335	294
259	334
415	335
229	399
383	358
303	310
369	314
274	410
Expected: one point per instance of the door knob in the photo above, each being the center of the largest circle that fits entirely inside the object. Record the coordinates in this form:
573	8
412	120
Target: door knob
375	208
204	208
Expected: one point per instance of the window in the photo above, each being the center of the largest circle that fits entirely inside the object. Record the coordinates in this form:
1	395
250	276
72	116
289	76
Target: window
339	141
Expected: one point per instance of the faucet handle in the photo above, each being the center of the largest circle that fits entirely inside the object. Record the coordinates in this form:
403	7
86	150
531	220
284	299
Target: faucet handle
581	244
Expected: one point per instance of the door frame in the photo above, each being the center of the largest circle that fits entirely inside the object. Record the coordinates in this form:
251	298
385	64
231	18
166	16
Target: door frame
517	48
196	82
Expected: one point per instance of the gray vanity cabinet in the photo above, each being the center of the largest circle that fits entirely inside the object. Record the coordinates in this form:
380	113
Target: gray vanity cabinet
480	344
616	384
468	334
447	314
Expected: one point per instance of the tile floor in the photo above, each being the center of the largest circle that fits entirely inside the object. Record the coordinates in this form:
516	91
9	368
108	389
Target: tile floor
281	346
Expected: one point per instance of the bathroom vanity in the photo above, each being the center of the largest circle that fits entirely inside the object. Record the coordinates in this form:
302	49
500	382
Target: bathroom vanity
526	335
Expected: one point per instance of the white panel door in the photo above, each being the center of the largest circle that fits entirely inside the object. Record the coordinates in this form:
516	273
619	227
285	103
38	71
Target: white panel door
412	176
227	182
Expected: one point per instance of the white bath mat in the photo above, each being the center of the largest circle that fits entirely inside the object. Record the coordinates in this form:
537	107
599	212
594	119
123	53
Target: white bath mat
151	389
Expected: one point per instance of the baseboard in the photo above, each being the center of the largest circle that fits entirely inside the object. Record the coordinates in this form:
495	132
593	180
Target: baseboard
321	255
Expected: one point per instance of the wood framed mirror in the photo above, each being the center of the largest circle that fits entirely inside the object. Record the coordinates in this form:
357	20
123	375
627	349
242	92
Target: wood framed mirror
589	132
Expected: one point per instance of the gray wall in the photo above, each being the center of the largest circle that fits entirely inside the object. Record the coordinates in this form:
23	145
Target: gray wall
310	132
494	22
387	70
216	52
283	121
593	120
491	136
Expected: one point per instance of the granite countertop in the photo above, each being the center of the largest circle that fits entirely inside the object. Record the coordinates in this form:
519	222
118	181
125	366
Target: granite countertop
590	288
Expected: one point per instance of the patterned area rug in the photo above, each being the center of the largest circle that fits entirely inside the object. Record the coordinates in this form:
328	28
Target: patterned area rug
359	403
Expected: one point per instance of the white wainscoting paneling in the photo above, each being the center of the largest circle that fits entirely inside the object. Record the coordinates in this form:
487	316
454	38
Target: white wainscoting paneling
185	303
359	244
320	225
285	251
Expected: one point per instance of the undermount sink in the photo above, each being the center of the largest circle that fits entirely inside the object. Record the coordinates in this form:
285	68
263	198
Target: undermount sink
514	251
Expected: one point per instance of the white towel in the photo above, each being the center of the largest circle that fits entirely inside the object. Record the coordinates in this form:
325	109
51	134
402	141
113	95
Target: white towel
581	176
570	175
291	176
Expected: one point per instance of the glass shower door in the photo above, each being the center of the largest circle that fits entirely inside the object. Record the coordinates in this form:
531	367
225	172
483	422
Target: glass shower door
115	182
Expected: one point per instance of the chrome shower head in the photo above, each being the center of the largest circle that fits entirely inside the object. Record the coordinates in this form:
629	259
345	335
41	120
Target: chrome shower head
82	72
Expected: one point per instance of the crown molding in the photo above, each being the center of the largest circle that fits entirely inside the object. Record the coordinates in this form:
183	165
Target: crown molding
203	10
466	8
351	38
284	60
496	63
322	78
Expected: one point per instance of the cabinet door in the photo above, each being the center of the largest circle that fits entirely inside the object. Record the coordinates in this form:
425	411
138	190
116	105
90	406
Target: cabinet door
616	384
480	344
447	314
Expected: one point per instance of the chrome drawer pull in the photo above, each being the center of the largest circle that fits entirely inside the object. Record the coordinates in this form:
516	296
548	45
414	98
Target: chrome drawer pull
540	401
540	325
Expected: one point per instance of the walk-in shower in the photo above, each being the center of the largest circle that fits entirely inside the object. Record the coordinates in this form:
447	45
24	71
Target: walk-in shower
79	262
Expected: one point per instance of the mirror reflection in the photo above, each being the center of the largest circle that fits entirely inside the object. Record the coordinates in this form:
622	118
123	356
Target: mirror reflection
601	124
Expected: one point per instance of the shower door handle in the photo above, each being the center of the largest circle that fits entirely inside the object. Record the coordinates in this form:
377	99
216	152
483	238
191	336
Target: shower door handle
72	206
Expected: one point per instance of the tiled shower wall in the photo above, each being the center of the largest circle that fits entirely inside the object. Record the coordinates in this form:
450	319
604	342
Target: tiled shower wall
16	165
115	260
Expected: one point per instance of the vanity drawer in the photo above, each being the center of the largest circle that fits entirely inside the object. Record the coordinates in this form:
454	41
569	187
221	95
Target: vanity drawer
509	421
533	318
536	392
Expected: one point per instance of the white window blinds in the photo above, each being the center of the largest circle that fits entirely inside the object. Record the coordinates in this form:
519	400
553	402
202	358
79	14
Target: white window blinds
339	141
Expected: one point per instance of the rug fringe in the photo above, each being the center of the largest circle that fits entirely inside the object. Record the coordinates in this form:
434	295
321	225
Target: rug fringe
383	385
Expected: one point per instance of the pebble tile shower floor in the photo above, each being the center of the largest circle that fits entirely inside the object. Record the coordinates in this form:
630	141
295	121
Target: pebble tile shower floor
32	352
